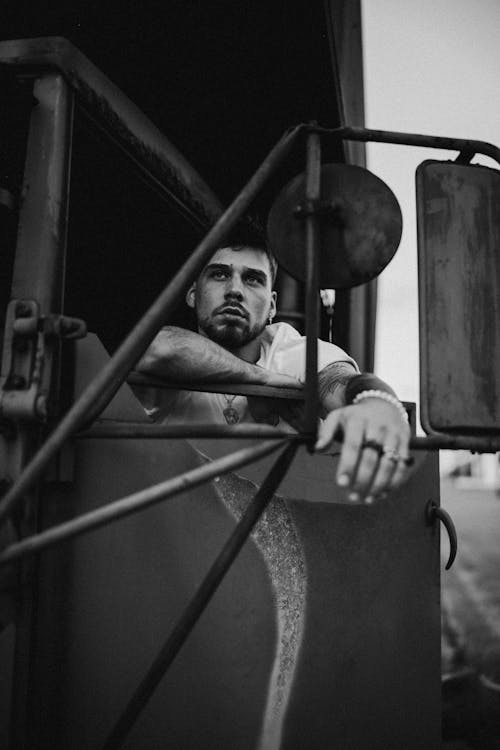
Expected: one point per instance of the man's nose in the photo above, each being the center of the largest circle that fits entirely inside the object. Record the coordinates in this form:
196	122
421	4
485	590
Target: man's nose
234	288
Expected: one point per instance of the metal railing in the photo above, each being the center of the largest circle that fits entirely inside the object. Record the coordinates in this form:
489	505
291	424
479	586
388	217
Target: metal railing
174	178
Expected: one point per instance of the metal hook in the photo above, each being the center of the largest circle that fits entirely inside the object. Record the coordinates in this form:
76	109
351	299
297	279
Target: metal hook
432	512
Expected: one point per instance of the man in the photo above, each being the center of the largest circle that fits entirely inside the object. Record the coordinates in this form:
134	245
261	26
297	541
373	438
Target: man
237	342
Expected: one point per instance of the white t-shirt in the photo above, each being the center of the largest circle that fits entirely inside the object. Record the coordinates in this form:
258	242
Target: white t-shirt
283	349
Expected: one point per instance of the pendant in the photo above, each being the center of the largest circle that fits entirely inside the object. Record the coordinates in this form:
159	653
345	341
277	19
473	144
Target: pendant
231	415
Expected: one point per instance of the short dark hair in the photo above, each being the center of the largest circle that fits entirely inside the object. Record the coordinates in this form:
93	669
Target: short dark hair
249	233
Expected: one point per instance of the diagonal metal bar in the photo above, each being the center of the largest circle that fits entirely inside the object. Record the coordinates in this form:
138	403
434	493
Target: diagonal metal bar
136	502
200	600
105	384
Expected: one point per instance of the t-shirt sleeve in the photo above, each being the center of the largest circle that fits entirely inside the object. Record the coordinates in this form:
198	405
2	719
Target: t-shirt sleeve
328	353
286	353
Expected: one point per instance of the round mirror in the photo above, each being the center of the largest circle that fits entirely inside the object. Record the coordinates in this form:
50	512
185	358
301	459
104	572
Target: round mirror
360	226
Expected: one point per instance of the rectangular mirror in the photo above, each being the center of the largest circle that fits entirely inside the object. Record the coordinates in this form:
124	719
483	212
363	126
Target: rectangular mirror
458	222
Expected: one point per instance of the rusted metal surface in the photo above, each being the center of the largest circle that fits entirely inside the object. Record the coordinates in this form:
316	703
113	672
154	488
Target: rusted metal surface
316	614
459	290
37	285
134	503
201	599
43	210
360	226
106	383
152	153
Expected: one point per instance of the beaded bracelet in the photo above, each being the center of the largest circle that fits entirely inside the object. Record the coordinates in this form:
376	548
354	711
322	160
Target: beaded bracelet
385	397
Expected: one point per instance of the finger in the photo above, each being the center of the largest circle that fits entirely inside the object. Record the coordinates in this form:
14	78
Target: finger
389	462
350	453
367	467
328	430
401	473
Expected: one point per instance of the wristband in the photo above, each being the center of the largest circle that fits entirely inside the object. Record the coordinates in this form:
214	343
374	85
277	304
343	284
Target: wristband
385	397
365	381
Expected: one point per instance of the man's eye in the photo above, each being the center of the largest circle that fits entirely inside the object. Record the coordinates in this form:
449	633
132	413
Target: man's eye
252	280
218	275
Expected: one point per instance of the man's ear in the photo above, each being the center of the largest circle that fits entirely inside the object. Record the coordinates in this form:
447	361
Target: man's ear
272	308
191	296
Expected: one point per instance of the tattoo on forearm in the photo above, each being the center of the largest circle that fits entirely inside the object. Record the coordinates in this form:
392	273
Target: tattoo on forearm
332	381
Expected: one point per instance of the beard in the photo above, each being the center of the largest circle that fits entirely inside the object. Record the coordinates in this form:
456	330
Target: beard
228	335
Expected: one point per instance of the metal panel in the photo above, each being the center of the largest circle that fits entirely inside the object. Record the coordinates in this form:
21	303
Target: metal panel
326	632
459	289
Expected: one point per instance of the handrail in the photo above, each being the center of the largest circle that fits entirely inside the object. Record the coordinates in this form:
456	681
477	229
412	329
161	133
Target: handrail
153	154
101	389
467	147
243	389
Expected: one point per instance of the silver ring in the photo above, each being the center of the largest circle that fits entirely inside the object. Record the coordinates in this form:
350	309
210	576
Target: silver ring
391	454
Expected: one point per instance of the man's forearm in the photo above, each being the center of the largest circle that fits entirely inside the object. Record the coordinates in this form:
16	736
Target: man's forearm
179	355
332	383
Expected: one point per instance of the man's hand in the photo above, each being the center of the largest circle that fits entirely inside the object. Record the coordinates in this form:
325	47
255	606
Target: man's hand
374	453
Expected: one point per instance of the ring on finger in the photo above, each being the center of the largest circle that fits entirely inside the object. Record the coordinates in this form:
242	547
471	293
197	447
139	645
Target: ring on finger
391	455
374	445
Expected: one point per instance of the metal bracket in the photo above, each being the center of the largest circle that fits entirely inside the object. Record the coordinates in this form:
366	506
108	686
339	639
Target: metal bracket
23	395
331	209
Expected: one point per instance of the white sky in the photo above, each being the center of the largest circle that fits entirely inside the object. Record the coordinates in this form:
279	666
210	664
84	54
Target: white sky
431	66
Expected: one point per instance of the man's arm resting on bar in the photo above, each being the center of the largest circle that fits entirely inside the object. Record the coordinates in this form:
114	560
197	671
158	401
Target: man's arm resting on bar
184	356
180	355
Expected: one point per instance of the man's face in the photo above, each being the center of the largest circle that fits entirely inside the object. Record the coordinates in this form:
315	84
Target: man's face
233	297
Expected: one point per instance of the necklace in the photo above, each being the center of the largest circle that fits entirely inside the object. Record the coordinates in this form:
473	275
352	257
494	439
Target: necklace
230	414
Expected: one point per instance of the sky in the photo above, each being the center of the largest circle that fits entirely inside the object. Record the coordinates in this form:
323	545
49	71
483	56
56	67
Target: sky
432	67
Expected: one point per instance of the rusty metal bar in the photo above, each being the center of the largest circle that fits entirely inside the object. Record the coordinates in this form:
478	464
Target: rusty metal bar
468	146
196	607
126	506
312	190
243	389
131	430
109	429
441	441
105	384
41	242
159	162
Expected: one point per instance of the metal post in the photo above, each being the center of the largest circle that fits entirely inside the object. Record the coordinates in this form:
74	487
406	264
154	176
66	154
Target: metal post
196	607
136	502
38	275
313	176
106	383
39	263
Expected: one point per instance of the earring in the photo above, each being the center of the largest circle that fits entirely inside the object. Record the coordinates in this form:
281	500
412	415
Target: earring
269	319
